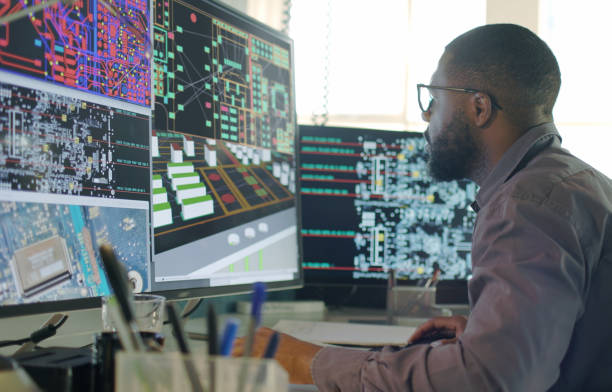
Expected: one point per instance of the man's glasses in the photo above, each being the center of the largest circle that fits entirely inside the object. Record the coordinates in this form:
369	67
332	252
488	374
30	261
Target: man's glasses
426	99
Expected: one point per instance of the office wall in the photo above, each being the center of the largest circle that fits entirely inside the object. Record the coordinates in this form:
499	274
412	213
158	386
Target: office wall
522	12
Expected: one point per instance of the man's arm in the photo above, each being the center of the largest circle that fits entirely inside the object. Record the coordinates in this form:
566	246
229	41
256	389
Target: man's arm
293	354
527	287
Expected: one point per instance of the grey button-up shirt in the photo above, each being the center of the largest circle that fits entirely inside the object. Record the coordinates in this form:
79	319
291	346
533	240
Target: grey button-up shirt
540	296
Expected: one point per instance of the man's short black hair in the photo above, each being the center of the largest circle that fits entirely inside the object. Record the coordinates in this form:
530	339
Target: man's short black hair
507	61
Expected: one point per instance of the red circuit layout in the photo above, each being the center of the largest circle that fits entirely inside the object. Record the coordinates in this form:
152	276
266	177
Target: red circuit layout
100	47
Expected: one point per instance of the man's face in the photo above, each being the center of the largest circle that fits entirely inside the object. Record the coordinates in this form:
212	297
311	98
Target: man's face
453	150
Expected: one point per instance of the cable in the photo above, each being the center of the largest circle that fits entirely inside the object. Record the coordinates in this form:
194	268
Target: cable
286	16
37	336
322	118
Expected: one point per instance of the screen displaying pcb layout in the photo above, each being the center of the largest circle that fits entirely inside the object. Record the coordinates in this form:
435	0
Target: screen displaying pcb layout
99	47
223	148
74	174
368	205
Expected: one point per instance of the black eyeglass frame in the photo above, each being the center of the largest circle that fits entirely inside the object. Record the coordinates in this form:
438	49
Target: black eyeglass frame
455	89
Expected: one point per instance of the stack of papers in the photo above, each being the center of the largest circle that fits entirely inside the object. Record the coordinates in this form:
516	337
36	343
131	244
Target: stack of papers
323	332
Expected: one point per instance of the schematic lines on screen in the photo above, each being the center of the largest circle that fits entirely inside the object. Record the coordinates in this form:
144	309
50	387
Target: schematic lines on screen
57	144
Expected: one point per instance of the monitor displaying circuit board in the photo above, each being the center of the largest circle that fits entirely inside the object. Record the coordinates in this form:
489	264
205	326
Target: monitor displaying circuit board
75	117
368	205
223	148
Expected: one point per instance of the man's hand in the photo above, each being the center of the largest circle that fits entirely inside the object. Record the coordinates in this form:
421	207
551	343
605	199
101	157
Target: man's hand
293	354
446	325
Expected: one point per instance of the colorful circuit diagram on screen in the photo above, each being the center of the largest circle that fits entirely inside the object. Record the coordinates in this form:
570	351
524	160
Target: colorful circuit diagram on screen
224	125
213	79
98	47
368	205
52	143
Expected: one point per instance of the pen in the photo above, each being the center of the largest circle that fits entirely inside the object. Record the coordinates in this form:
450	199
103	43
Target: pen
229	335
127	330
213	344
259	296
181	340
272	346
211	323
260	379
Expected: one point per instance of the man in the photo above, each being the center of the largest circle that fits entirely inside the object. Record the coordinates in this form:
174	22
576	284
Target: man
541	292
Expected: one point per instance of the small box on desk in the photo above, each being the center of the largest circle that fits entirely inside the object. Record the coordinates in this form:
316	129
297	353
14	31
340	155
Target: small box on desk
168	372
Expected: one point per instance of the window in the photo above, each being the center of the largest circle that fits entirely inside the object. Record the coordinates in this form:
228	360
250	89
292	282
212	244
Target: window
578	34
375	53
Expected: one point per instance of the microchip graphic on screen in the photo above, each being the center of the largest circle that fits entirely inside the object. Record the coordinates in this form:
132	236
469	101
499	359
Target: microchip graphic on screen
42	265
100	47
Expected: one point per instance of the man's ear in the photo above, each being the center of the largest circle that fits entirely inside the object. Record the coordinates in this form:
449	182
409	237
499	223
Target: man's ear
482	110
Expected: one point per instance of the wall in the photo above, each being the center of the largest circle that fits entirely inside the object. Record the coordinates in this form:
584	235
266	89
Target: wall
522	12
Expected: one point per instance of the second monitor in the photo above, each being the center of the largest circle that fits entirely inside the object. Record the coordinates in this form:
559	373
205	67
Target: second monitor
369	205
224	205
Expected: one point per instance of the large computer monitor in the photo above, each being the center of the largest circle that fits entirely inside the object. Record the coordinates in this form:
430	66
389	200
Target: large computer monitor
223	147
368	205
75	114
167	131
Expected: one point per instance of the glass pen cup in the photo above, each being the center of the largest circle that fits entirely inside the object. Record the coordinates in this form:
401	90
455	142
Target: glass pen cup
148	314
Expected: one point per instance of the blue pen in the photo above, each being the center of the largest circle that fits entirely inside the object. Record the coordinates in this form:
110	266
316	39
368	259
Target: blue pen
229	335
260	379
272	346
259	296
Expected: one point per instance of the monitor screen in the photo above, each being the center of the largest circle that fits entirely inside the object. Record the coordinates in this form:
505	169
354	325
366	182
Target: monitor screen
368	205
223	193
164	128
75	112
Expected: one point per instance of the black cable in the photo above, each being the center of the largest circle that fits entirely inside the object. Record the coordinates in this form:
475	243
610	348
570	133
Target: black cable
37	336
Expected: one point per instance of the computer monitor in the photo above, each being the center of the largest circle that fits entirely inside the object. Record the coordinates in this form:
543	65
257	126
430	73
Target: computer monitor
75	117
223	147
172	140
368	205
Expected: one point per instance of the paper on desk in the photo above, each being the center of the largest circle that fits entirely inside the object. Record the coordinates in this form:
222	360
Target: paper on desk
345	333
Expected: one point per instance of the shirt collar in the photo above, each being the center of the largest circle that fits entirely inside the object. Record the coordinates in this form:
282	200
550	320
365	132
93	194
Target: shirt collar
511	159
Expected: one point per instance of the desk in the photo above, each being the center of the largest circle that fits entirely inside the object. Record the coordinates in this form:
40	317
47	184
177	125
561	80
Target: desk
80	327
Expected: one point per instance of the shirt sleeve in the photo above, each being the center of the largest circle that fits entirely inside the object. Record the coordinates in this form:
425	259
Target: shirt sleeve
526	292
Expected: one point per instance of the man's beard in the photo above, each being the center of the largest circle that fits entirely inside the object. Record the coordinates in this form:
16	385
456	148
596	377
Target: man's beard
454	153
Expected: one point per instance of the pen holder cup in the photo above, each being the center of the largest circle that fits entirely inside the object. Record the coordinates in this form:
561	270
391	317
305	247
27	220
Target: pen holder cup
413	302
148	313
168	372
